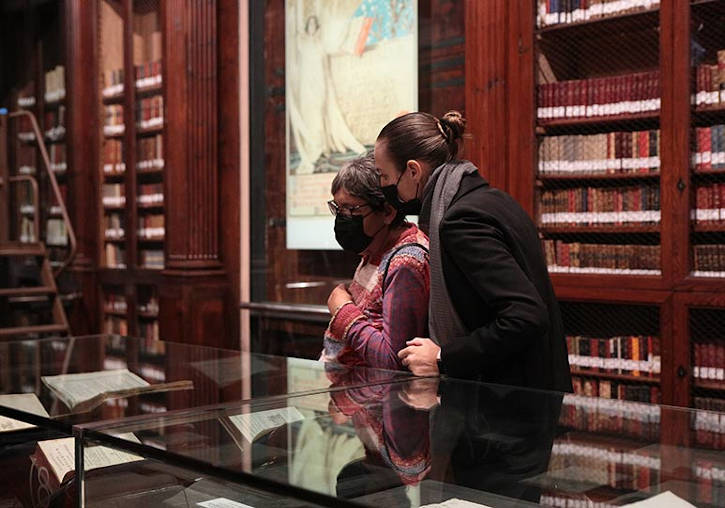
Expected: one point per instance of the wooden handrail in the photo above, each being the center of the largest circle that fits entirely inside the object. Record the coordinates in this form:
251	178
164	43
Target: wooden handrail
36	205
54	185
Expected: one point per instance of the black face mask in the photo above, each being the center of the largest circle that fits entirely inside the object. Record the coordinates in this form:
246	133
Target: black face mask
350	233
410	207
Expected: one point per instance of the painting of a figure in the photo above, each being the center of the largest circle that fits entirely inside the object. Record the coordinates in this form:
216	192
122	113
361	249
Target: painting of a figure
351	66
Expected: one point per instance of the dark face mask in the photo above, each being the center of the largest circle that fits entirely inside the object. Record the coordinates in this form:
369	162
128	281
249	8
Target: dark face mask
410	207
350	233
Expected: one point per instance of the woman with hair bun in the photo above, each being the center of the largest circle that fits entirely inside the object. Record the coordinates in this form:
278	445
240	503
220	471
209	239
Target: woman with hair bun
492	315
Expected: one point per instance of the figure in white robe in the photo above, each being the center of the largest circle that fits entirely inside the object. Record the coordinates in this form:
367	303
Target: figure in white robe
315	31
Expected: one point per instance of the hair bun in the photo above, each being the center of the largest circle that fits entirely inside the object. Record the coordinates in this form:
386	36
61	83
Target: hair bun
454	124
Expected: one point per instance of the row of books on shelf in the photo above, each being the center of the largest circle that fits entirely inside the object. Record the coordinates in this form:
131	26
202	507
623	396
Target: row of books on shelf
613	152
150	153
113	122
113	226
709	360
27	230
58	158
594	414
113	194
608	389
555	12
26	101
593	205
149	330
617	467
115	256
151	258
151	194
710	482
709	199
147	258
600	97
571	501
115	325
710	82
575	257
709	260
55	84
151	226
113	160
148	74
112	82
56	233
633	355
55	124
114	302
708	422
710	148
150	112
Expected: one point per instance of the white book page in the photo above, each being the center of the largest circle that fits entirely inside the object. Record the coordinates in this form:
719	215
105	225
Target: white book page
73	389
664	500
455	503
60	454
27	402
222	502
253	424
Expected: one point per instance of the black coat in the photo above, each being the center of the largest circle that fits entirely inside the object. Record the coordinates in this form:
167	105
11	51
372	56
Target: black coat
498	282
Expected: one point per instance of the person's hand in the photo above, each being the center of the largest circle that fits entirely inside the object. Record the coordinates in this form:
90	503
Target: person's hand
421	357
338	296
421	394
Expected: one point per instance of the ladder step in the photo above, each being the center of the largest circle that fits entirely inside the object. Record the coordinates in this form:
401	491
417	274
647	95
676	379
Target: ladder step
25	330
21	249
27	291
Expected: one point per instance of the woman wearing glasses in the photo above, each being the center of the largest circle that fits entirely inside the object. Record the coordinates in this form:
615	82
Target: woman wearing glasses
387	301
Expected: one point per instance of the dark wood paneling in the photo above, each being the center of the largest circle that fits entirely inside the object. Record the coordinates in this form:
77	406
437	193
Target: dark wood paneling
191	45
521	106
486	98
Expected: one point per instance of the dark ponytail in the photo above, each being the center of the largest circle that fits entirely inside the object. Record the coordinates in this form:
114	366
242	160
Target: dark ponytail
422	136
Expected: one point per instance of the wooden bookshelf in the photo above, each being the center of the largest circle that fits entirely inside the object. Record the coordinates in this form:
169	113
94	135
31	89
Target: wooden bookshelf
601	229
548	178
615	377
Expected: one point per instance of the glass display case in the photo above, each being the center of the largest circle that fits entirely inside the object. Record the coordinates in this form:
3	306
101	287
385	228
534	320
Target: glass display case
431	442
49	386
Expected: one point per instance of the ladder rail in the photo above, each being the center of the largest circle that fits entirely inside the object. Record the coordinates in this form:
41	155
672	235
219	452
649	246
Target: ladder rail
56	189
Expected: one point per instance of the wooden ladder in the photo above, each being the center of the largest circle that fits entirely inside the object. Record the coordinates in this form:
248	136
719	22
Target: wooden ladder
16	290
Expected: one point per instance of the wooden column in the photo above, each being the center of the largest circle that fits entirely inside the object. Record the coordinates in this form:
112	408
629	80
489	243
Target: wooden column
486	97
196	298
192	173
521	110
82	155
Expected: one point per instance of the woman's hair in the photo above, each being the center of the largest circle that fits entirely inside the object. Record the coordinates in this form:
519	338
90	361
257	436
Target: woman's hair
422	136
360	179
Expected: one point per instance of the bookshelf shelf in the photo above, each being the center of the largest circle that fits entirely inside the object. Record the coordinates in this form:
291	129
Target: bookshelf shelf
717	386
114	208
116	313
616	377
148	131
609	230
709	228
149	91
147	207
708	172
597	177
151	239
644	19
114	99
148	315
624	122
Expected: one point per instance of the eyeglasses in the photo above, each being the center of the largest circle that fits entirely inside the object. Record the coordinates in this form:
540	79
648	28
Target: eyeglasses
344	209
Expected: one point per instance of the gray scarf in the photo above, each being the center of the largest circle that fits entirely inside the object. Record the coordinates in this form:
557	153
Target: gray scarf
444	323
